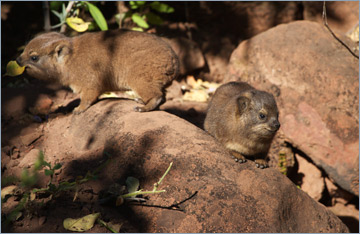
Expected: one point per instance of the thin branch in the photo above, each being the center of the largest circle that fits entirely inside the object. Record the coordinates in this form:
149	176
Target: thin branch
333	34
47	26
68	8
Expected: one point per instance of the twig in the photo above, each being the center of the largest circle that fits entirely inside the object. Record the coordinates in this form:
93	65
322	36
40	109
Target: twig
175	206
47	26
333	34
68	8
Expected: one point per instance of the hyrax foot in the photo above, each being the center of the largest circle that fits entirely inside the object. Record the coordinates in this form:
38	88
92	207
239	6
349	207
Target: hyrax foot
261	163
238	157
150	105
80	109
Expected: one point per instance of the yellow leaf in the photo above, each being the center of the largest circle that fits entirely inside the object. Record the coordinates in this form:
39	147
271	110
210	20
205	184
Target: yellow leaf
77	24
13	69
196	96
82	224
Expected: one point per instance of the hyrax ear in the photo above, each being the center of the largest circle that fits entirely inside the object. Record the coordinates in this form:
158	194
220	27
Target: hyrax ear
242	104
62	50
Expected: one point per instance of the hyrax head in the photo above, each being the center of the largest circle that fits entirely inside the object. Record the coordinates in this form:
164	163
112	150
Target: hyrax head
258	114
45	55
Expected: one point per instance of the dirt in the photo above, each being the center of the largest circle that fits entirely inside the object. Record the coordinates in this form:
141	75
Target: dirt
29	104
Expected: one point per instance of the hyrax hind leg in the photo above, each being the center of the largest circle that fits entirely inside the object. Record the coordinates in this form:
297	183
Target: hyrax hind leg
151	96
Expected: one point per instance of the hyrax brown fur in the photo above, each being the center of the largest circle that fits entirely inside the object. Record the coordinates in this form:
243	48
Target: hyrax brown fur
244	120
94	63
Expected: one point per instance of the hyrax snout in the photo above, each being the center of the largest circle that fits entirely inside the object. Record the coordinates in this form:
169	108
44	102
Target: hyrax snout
244	120
94	63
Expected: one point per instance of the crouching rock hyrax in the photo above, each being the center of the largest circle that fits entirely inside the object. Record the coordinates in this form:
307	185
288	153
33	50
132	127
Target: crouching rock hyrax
244	120
94	63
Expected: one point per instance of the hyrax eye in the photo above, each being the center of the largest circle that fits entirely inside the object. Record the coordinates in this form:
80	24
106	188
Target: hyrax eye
262	116
34	58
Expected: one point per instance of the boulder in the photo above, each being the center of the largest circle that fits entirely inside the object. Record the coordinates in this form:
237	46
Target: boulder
206	191
189	54
342	16
315	82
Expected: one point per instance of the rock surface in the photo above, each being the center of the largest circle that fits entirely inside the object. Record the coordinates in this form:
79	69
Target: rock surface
315	82
312	181
215	194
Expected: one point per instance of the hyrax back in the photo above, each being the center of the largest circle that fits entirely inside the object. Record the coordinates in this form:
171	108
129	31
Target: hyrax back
244	120
94	63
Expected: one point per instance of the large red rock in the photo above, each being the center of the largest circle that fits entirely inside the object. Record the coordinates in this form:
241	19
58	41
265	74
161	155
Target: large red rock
342	16
214	193
315	81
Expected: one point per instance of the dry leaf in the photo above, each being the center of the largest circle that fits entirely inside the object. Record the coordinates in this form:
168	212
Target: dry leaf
9	190
82	224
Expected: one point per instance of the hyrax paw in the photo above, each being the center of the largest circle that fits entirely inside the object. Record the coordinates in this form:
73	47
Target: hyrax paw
77	111
139	109
239	160
260	163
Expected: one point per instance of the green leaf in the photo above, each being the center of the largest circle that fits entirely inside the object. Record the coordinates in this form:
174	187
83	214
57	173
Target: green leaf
136	4
57	166
28	180
139	20
132	184
82	224
154	19
98	16
161	7
49	172
47	164
39	161
57	14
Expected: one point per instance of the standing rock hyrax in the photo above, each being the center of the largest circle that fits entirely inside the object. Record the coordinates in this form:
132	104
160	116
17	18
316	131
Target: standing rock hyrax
94	63
244	120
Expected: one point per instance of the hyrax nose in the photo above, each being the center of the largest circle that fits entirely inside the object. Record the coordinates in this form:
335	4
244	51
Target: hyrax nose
276	124
19	61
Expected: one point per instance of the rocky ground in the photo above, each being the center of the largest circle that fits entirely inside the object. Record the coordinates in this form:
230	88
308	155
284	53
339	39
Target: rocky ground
315	82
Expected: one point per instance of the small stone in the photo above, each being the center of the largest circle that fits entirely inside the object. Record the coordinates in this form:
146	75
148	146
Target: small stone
30	158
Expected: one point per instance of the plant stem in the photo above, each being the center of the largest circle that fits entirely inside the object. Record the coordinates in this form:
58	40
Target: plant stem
105	225
68	8
141	193
156	185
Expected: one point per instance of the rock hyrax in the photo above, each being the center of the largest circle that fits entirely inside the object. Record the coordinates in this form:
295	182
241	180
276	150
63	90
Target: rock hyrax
94	63
244	120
